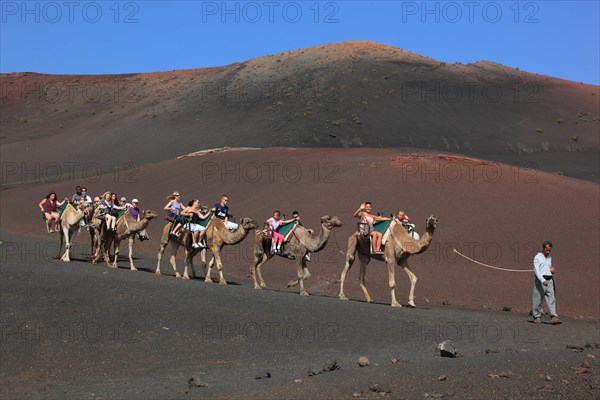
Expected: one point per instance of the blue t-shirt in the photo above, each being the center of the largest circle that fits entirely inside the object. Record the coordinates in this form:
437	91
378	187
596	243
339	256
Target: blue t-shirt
221	211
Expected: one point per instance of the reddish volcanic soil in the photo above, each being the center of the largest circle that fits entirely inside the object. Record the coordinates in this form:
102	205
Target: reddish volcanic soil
493	213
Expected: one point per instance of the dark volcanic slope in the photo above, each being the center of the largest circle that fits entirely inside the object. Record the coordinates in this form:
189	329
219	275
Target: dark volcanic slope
342	95
73	331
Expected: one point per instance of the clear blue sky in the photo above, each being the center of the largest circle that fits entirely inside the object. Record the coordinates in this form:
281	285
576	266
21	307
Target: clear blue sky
556	38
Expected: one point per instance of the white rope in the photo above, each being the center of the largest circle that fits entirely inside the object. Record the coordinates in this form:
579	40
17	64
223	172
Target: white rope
490	266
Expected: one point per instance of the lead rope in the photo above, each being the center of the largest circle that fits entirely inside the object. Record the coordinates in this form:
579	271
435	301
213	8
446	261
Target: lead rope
490	266
337	244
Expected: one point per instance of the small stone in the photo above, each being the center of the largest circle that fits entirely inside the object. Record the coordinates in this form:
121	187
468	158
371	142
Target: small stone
355	394
196	382
574	347
585	364
395	361
331	366
363	361
447	349
298	381
313	372
591	356
491	351
506	374
380	389
580	370
442	377
263	375
547	388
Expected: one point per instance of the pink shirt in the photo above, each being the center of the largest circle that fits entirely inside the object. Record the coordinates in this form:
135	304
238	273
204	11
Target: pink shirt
274	224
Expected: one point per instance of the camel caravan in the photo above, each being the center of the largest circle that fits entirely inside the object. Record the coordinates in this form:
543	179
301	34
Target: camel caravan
196	229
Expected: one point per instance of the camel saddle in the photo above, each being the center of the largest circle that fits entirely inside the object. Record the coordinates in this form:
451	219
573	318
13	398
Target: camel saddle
62	209
286	230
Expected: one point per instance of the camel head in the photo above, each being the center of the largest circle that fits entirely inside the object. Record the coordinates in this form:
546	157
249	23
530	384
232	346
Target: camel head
330	222
431	224
149	214
248	224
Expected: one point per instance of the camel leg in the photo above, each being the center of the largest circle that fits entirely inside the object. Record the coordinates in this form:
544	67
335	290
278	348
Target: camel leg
413	282
60	245
301	266
116	245
107	243
92	242
161	250
362	272
392	281
174	247
256	270
217	256
192	271
350	253
96	255
203	259
131	239
209	269
66	233
188	256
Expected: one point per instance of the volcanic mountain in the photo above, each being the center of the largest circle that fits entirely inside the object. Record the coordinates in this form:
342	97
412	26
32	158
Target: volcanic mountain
355	94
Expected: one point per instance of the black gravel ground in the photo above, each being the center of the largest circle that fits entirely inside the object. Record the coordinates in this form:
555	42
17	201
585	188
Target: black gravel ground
76	330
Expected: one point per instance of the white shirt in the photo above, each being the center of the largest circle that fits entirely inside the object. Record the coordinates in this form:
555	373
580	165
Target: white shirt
541	266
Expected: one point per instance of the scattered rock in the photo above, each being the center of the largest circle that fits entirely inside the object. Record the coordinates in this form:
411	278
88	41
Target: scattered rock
442	377
546	377
395	360
355	394
580	370
363	361
506	374
263	375
490	351
503	374
332	366
547	388
447	349
591	356
380	389
196	382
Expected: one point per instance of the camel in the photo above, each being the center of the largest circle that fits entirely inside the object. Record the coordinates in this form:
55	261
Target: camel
398	248
217	236
185	240
97	233
300	243
126	228
69	221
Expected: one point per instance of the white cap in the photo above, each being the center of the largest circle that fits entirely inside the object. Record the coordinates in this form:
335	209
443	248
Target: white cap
135	201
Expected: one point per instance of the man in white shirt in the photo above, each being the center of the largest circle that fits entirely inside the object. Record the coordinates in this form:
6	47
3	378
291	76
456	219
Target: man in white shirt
544	284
